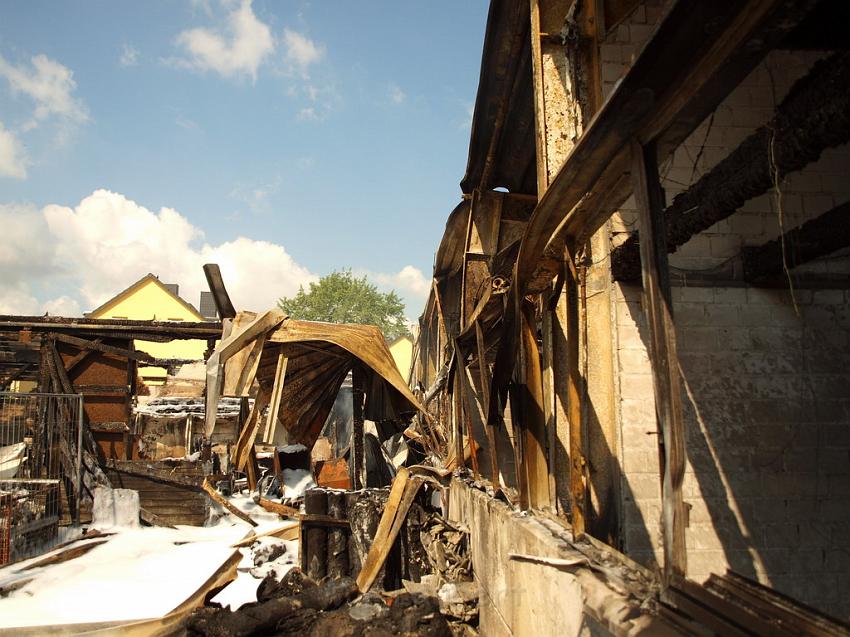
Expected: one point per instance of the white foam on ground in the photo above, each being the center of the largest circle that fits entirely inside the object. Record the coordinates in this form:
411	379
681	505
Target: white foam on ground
136	574
296	482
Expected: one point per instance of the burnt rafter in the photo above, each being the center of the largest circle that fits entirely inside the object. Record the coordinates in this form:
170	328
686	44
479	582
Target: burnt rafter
813	117
816	238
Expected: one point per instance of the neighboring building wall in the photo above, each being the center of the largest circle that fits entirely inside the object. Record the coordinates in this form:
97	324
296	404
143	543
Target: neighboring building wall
402	351
767	399
151	302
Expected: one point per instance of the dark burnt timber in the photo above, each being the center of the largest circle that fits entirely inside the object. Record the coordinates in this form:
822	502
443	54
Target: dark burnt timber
700	52
113	328
223	305
813	117
813	239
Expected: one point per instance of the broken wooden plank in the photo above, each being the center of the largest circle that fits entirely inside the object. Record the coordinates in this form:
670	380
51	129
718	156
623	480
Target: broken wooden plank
557	562
227	348
248	371
245	443
153	519
663	356
288	531
575	395
274	404
531	417
484	379
382	542
217	497
277	507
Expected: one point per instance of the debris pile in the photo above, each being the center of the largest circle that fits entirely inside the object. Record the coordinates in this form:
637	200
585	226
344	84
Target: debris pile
299	605
181	407
412	567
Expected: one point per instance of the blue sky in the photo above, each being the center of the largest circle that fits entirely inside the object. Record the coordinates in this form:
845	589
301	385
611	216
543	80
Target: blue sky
284	139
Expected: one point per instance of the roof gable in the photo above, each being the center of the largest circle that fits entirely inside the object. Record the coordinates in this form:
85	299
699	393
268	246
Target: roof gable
148	279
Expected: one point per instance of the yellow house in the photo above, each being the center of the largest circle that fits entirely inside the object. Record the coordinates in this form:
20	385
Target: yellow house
402	350
150	299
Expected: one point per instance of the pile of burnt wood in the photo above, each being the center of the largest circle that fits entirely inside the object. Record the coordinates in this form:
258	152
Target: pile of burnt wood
376	562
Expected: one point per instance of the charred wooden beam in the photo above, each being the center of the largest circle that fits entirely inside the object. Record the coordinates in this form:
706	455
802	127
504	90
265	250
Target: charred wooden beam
815	238
337	537
221	298
358	468
579	500
700	52
81	356
102	389
531	417
437	385
663	357
18	373
100	347
814	116
315	539
113	328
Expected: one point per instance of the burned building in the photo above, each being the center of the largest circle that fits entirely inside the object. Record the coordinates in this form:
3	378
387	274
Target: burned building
638	324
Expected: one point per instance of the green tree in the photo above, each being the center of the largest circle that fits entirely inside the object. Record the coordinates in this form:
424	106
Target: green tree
340	297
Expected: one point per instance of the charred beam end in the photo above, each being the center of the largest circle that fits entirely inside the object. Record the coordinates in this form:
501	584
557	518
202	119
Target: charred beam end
813	117
223	305
816	238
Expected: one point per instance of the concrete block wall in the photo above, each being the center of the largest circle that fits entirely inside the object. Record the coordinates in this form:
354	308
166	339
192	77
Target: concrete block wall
523	597
767	402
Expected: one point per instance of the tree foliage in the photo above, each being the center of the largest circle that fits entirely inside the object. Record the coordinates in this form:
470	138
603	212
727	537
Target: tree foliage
340	297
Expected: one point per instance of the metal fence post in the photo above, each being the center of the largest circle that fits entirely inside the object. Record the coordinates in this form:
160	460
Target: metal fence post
79	473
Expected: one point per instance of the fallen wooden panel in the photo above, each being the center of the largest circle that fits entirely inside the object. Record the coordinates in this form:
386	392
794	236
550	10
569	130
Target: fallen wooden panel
170	624
169	491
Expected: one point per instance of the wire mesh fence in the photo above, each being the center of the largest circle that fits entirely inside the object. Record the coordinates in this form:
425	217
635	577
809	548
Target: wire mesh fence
40	463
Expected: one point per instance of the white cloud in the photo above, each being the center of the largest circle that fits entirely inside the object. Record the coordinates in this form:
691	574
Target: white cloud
62	306
256	196
322	100
410	284
96	249
63	260
301	51
239	47
129	55
396	95
469	109
49	84
24	256
13	162
308	114
187	123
